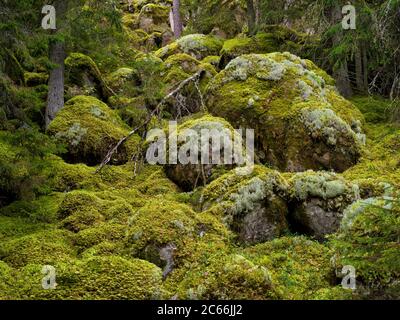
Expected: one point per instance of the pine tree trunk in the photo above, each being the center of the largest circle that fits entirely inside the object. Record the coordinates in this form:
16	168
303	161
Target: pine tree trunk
359	69
251	17
341	74
55	96
177	25
365	67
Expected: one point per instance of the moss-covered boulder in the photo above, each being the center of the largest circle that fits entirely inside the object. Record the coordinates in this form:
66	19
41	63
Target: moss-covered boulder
300	121
95	278
33	79
198	46
43	247
368	240
165	232
253	206
272	38
154	18
189	99
205	146
318	200
82	77
90	128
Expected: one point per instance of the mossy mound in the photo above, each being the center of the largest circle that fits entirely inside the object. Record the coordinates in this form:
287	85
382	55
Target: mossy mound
94	278
368	240
253	205
90	128
154	18
82	77
33	79
178	68
300	121
123	81
271	39
43	247
318	200
379	168
195	164
166	232
198	46
299	268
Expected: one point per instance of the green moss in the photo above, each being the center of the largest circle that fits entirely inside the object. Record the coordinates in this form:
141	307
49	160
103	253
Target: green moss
90	127
94	278
324	185
269	93
83	77
7	279
368	240
374	109
299	268
44	247
33	79
197	45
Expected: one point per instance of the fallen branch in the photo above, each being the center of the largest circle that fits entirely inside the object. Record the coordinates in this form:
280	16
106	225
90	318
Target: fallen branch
156	110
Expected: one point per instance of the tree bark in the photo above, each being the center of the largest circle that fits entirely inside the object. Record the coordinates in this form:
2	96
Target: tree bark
177	25
55	96
251	17
359	69
341	74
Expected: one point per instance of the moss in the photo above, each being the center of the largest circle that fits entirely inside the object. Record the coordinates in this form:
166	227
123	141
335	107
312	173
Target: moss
374	109
90	128
7	279
253	205
33	79
299	268
368	240
213	60
198	46
43	247
110	232
154	18
42	209
13	227
379	166
267	92
324	185
94	278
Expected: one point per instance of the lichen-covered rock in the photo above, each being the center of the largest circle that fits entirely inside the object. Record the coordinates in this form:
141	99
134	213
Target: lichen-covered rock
82	77
300	121
318	200
123	81
196	163
253	206
90	128
198	46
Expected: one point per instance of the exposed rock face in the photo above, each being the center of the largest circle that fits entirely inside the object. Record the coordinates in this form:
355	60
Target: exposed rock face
318	200
90	128
300	121
253	206
186	173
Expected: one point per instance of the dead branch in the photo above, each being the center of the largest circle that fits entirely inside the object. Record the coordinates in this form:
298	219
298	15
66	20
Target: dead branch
156	110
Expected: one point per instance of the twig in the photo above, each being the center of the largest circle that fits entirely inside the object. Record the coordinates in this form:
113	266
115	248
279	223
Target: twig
157	109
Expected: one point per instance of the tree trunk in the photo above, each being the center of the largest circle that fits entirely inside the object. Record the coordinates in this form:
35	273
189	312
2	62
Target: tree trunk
55	96
359	69
341	74
365	67
177	25
251	17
